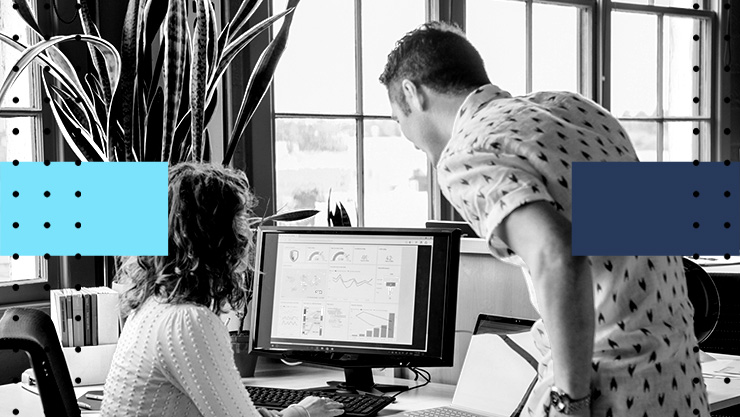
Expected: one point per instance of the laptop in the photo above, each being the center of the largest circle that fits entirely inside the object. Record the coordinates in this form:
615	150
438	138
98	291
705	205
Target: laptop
501	364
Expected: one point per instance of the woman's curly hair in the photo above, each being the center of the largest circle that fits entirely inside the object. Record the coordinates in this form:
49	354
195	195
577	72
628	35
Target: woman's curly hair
210	245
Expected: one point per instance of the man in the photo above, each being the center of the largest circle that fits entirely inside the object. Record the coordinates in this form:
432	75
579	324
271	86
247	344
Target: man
616	332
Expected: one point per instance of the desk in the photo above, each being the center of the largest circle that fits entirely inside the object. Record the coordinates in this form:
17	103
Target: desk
13	396
269	374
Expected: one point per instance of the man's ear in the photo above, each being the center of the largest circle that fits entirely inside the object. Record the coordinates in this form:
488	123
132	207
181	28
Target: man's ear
415	96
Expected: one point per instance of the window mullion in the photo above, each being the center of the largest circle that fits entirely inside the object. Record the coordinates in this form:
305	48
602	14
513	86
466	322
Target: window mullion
603	81
359	130
659	89
528	19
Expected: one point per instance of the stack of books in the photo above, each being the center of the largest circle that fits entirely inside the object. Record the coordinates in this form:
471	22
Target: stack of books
85	317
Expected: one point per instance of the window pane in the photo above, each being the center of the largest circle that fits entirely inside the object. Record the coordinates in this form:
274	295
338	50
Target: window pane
666	3
644	136
21	94
380	31
313	156
498	29
634	65
21	269
317	71
18	136
680	144
680	54
687	4
554	47
395	182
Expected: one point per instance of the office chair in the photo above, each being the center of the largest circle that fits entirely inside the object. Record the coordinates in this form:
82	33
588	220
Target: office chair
33	331
704	297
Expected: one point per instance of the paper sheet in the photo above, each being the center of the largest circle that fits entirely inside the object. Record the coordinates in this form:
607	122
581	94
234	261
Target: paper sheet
722	367
494	378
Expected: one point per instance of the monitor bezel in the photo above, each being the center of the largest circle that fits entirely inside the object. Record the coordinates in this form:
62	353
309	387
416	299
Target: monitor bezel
450	238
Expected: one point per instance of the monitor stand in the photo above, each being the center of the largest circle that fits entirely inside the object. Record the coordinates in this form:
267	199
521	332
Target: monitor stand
360	380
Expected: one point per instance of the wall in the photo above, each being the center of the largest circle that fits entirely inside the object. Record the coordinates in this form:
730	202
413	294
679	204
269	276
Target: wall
486	285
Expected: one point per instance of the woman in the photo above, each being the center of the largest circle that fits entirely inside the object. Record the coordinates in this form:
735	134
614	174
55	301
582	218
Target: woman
174	355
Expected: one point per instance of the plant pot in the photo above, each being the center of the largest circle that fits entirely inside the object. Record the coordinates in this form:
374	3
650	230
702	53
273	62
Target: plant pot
245	362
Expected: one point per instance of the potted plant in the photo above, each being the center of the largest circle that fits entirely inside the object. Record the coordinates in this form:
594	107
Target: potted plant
152	101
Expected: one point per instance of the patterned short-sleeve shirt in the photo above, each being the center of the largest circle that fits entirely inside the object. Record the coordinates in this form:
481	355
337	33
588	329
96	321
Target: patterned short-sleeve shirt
509	151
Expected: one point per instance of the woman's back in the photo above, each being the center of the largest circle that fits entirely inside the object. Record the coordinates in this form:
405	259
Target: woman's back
174	360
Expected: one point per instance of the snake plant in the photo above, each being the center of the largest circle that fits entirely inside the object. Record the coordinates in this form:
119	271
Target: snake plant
152	100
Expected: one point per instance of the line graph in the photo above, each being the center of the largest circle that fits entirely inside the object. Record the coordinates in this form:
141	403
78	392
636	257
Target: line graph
348	282
350	285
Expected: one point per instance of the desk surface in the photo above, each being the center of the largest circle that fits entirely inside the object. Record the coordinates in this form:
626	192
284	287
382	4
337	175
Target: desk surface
15	397
268	374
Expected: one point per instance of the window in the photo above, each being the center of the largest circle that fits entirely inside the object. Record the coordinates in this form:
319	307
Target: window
657	58
547	47
661	78
21	121
652	63
333	130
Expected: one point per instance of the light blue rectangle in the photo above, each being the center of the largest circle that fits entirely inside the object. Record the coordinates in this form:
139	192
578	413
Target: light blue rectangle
122	208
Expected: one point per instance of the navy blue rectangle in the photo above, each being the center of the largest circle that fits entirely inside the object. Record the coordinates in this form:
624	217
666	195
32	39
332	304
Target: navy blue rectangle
656	208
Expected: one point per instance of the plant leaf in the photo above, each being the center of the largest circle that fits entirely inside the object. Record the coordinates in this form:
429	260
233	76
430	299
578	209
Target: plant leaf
212	38
121	112
259	81
100	64
198	75
183	127
156	72
150	22
290	216
344	216
242	15
28	16
232	49
86	151
222	38
153	131
175	44
35	51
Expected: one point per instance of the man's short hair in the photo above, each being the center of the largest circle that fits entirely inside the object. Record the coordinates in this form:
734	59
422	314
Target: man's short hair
436	55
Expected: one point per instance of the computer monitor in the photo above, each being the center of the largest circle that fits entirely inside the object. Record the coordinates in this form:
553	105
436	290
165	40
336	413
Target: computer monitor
356	298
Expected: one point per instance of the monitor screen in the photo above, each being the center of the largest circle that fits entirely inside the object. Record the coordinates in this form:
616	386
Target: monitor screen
356	298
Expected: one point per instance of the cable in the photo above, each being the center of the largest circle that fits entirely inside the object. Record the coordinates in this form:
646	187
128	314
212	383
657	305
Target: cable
418	372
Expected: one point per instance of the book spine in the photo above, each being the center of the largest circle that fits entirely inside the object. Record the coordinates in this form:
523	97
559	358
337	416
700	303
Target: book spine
78	328
70	320
62	302
94	322
88	319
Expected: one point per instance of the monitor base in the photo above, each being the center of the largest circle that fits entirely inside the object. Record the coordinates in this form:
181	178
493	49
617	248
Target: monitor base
360	380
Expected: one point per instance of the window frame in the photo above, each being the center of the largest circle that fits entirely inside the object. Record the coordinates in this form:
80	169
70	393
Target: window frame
704	148
57	271
258	156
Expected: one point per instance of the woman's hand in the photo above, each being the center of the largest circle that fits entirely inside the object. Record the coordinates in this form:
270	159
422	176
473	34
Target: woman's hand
322	407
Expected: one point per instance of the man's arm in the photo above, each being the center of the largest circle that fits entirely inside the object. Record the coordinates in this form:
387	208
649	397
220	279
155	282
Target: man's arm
563	286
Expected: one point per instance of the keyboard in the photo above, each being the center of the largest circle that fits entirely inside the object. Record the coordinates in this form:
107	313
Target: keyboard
355	405
440	412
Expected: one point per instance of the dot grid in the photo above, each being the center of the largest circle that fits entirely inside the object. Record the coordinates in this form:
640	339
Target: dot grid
94	208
